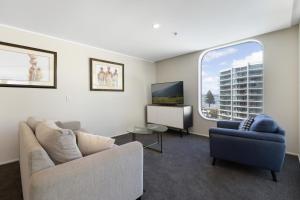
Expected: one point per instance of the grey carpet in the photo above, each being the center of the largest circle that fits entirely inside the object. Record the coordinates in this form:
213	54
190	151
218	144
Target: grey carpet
184	172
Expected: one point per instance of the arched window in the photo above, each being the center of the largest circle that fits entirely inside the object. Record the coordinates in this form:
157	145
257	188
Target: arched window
230	81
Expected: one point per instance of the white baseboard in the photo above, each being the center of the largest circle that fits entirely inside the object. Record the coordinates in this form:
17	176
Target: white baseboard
201	134
292	154
9	161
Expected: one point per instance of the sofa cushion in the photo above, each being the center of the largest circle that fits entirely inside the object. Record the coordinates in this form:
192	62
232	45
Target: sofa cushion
59	143
33	122
89	143
40	160
264	123
73	125
246	124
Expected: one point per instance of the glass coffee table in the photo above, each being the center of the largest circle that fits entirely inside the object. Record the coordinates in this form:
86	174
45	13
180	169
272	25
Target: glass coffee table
149	129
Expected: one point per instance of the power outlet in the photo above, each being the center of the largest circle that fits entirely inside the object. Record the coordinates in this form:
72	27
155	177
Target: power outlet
68	98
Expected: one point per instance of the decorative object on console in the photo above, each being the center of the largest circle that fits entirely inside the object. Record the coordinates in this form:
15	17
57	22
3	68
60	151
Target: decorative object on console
106	75
22	66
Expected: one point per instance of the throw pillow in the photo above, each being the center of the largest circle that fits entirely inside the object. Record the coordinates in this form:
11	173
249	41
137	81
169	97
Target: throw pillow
264	123
33	122
59	143
73	125
89	143
40	160
246	124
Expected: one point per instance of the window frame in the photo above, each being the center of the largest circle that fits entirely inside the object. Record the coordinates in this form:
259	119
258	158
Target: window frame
200	74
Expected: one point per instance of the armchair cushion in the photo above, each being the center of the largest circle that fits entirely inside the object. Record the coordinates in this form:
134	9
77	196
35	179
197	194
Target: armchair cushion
228	124
246	124
248	134
264	123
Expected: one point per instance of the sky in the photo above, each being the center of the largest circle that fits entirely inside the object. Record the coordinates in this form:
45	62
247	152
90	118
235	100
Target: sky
216	60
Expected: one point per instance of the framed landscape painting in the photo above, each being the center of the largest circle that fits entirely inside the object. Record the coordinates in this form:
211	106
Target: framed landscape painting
22	66
106	75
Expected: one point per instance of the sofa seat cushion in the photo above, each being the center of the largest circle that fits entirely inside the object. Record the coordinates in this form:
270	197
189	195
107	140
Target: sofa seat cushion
89	143
59	143
264	123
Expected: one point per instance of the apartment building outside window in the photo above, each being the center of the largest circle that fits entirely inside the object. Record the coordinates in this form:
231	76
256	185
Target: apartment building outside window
231	81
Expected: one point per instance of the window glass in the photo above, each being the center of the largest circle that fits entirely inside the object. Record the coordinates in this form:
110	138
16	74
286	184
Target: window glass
231	81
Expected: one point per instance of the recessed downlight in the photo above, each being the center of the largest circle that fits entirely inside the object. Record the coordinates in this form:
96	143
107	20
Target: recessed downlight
156	26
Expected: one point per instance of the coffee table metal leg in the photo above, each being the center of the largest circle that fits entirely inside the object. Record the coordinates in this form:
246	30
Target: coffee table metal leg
158	141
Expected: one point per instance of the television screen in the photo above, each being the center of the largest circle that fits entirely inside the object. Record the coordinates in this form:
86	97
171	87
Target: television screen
167	93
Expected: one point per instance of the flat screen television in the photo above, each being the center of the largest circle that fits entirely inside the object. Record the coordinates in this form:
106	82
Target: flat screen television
167	93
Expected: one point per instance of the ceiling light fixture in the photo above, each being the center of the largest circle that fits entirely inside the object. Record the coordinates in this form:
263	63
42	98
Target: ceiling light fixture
156	26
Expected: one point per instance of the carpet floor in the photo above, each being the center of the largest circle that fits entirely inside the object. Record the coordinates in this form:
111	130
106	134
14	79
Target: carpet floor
184	172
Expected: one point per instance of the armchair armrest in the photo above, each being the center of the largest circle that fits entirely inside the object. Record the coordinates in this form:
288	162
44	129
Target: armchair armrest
248	134
112	174
228	124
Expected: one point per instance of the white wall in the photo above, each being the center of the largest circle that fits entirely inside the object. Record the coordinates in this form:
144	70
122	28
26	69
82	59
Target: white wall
104	113
281	82
299	87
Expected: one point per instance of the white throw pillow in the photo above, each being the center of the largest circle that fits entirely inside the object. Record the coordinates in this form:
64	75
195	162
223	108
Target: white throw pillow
89	143
59	143
33	122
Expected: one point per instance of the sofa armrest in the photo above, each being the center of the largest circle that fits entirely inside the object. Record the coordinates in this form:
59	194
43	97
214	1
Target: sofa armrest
112	174
248	134
228	124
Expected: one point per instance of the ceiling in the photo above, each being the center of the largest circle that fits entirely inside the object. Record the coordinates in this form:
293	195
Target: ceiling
125	26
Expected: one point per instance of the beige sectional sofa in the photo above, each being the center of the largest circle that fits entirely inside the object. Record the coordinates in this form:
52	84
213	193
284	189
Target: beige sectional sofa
114	174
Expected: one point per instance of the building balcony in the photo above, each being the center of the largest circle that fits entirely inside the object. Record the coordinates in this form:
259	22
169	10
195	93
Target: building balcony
255	104
225	103
255	79
255	110
225	98
255	98
240	109
255	67
226	72
256	85
222	93
240	115
239	103
239	98
240	69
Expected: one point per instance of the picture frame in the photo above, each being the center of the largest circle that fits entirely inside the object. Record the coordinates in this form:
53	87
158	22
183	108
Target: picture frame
27	67
106	75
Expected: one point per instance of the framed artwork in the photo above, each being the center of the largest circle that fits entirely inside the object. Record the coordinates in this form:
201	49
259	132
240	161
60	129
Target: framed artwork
106	75
27	67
